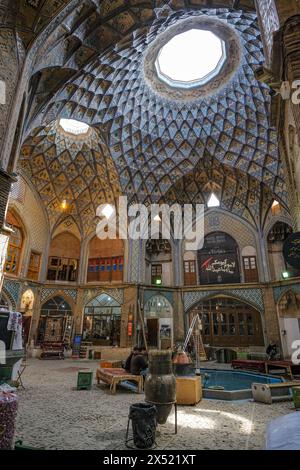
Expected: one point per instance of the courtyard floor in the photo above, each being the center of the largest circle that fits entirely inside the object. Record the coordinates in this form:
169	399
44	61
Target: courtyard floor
54	415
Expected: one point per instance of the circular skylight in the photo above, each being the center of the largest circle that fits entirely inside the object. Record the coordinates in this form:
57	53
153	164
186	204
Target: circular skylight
74	127
191	58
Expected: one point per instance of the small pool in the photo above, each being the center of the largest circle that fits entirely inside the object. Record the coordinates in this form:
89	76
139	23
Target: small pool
232	385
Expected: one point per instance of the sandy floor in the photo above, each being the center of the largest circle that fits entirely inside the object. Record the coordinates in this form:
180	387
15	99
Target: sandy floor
54	415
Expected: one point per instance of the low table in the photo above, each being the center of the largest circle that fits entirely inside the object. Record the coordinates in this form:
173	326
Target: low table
114	376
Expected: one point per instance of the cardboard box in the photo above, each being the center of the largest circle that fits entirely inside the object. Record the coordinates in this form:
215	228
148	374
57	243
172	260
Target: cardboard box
189	390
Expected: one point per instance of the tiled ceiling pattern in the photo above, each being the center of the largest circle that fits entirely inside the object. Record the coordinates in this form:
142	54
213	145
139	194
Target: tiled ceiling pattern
237	192
78	170
155	142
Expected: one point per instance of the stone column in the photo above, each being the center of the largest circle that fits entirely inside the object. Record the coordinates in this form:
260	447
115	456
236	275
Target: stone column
79	312
128	309
271	319
5	184
35	318
178	317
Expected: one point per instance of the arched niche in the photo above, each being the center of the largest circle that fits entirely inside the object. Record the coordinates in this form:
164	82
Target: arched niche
276	238
158	316
102	321
64	255
26	307
218	260
159	262
15	245
105	260
250	265
56	320
228	322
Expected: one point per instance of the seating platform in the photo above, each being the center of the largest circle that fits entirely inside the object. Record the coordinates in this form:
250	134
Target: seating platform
113	377
52	350
266	367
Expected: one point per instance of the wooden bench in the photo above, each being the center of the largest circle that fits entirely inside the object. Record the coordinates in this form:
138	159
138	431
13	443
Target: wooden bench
52	350
270	393
113	377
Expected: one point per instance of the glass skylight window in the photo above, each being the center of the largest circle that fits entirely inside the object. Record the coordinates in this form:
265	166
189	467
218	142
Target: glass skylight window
191	58
74	127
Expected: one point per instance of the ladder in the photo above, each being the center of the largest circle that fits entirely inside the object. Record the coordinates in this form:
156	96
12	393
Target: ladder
195	333
68	330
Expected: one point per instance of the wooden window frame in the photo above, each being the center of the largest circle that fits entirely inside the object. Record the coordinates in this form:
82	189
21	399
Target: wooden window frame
33	269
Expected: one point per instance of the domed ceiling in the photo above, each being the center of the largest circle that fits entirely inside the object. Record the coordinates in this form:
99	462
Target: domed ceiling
159	143
76	170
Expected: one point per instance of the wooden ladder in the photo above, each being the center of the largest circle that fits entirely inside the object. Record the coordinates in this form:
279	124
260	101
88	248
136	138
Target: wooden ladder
195	332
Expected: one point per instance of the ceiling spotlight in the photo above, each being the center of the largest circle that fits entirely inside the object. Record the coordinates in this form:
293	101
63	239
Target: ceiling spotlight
213	201
285	275
275	204
64	205
157	218
108	211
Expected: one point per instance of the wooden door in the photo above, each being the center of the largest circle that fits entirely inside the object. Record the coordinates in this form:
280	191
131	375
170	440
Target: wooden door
190	277
250	269
152	328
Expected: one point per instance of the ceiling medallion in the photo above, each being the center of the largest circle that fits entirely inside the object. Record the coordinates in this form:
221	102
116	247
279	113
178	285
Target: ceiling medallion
193	59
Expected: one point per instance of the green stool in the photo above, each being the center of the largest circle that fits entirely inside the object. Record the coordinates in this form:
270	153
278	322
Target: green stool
296	397
84	380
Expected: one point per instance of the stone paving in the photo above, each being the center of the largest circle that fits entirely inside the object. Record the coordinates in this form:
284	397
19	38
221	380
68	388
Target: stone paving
54	415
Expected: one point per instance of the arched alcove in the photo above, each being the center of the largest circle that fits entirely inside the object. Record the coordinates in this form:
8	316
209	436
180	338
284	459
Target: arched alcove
158	315
218	260
15	245
276	238
159	262
64	254
105	260
228	322
55	320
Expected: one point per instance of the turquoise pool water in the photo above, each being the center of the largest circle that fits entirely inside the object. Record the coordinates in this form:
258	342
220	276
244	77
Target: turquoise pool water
234	380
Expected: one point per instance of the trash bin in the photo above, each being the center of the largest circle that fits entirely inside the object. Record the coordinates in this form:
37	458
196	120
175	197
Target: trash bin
8	414
143	417
296	397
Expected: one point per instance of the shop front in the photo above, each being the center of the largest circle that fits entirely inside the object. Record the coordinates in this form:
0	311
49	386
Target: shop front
56	321
102	321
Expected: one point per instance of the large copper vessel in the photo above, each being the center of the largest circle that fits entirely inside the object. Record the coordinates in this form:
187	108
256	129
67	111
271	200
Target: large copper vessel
160	384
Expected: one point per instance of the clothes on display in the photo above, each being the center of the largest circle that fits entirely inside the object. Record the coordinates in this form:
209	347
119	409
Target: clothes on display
15	324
